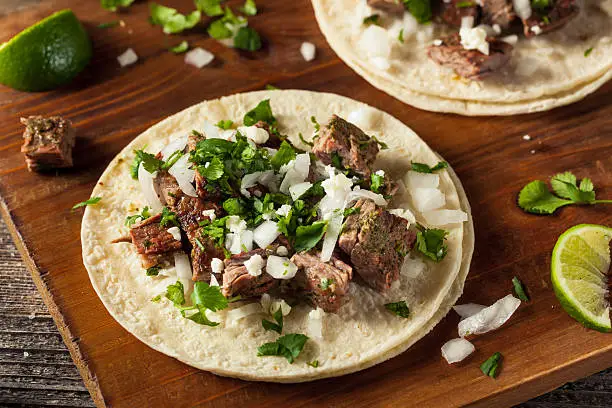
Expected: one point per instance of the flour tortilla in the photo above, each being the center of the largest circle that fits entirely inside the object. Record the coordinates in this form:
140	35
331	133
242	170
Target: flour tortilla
362	334
544	72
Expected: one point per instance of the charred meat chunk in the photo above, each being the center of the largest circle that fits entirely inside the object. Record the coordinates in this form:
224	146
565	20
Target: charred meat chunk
341	143
238	281
547	19
324	284
471	64
452	12
202	253
204	191
500	12
388	6
376	242
153	242
48	142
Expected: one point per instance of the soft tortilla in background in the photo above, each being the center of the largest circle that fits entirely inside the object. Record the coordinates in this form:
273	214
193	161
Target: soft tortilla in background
361	335
561	72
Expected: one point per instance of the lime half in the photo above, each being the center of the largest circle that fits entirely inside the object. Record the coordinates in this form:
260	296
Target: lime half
46	55
579	268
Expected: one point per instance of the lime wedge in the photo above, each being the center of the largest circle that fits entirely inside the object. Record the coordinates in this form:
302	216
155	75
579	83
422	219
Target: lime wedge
579	268
46	55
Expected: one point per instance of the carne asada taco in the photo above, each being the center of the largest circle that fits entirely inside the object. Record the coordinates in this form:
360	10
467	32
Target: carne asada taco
480	57
278	236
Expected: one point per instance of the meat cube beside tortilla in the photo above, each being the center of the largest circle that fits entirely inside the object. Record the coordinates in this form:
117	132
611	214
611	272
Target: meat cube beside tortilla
153	242
376	242
48	142
551	18
500	12
238	281
471	64
452	13
323	284
388	6
342	141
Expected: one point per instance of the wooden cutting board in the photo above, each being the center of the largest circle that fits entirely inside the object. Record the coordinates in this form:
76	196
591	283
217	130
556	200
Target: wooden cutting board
543	347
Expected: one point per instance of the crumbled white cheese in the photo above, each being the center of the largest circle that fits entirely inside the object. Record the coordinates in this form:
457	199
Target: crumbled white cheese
254	265
308	51
283	211
526	137
282	251
280	267
217	265
536	29
437	42
380	173
474	39
210	214
129	57
175	232
254	133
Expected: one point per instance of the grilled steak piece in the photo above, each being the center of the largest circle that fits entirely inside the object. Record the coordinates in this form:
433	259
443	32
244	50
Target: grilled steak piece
500	12
324	284
549	19
388	6
204	191
452	12
342	141
202	253
470	64
48	142
153	242
238	281
376	242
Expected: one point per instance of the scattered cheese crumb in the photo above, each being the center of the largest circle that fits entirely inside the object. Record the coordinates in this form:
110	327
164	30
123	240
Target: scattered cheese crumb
308	51
217	265
474	39
536	30
282	251
129	57
437	42
526	137
380	173
254	265
175	232
210	214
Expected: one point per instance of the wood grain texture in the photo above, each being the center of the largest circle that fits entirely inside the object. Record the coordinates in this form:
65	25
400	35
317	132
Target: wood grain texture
543	346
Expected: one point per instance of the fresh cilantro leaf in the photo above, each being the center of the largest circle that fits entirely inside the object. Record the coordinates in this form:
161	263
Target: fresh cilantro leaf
306	142
588	51
289	346
278	326
171	20
491	366
271	87
430	242
113	5
225	124
316	124
263	112
336	160
546	20
168	218
382	145
171	160
464	4
519	289
351	211
91	201
307	236
201	318
234	206
148	160
285	154
247	39
535	198
211	8
373	19
156	299
420	9
215	230
326	283
180	48
399	308
565	186
153	271
378	182
249	8
110	24
314	363
226	26
132	219
400	36
176	293
214	170
209	297
540	4
424	168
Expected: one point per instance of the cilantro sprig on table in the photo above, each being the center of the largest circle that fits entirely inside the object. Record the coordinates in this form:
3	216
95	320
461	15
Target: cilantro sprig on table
171	20
114	5
91	201
536	198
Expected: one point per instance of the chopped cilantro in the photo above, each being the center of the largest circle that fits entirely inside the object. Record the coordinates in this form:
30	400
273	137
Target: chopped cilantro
314	363
306	142
420	9
588	51
234	206
336	160
430	242
156	299
110	24
211	8
382	145
399	308
378	182
199	244
168	218
148	160
113	5
315	123
464	4
132	219
247	39
546	20
326	283
520	289
171	160
226	26
225	124
289	346
171	20
91	201
208	296
424	168
214	170
249	8
540	4
262	112
307	237
153	271
400	36
278	326
285	154
215	230
176	293
180	48
373	19
491	366
271	87
351	211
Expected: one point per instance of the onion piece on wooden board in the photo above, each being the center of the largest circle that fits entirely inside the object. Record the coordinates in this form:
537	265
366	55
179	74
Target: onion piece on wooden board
184	175
308	51
148	189
468	309
490	318
129	57
199	57
457	350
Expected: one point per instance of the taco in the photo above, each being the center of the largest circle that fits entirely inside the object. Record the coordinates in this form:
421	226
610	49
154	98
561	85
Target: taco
480	57
278	236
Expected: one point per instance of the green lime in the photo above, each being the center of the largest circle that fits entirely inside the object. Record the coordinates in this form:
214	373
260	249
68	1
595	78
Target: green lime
46	55
579	268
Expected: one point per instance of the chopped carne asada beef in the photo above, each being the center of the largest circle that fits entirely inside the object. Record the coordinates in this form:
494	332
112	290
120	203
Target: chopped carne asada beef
377	242
388	6
324	284
500	12
471	64
153	242
452	12
48	142
551	18
238	281
204	191
202	253
342	141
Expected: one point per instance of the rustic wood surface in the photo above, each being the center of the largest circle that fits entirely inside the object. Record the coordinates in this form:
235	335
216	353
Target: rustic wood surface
543	347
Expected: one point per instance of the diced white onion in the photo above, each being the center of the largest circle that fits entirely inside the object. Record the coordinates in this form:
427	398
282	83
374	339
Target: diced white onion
489	318
213	280
308	51
468	309
217	265
456	350
297	173
427	199
266	302
488	29
474	39
177	144
298	190
183	269
129	57
375	42
334	227
210	130
148	189
239	242
184	175
175	232
235	224
199	57
364	118
315	323
411	25
445	217
254	133
266	233
282	251
280	267
467	22
284	210
284	307
248	181
243	311
337	188
427	180
254	265
358	194
522	8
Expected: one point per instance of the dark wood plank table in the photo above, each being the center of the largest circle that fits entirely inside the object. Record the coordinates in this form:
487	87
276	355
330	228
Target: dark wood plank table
110	106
